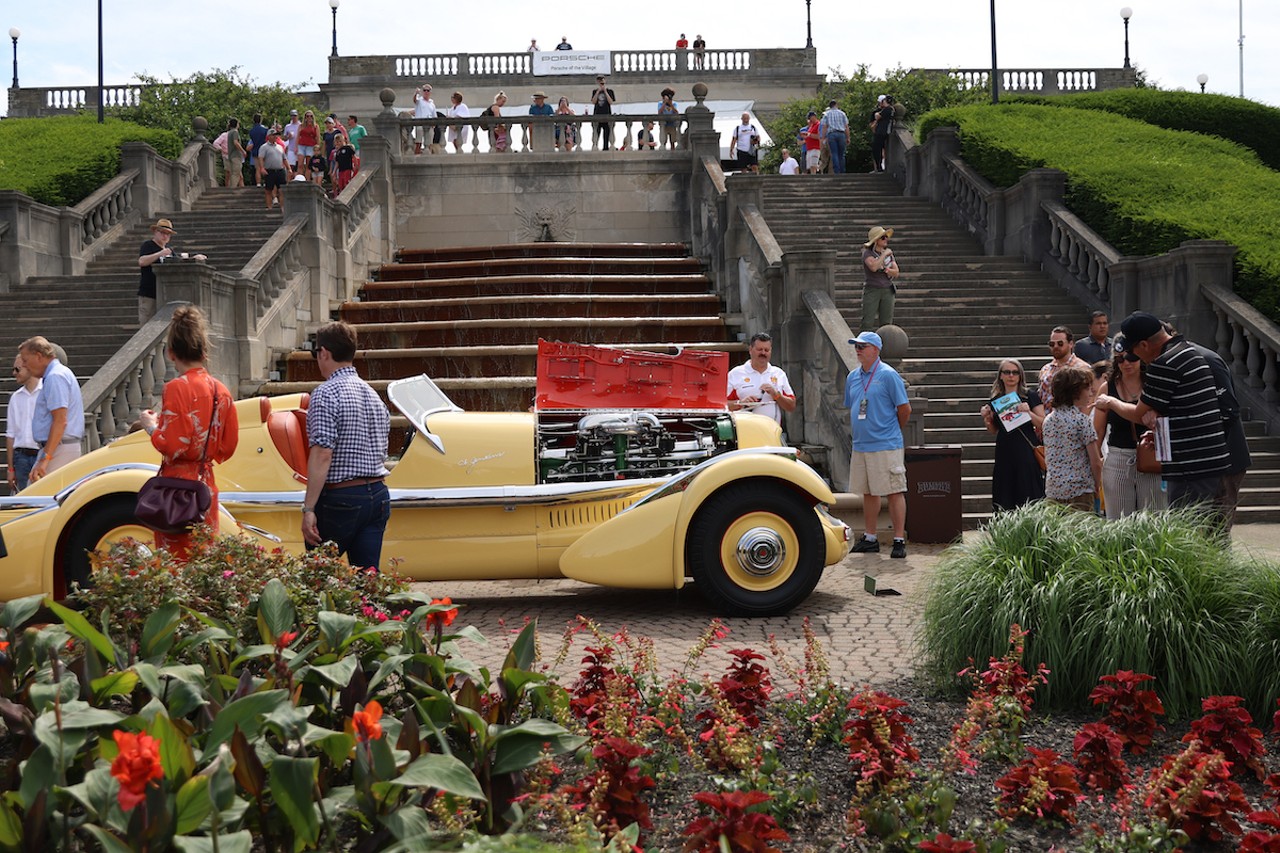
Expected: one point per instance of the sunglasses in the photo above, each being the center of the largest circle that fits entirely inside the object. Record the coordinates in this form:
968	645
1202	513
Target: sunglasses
16	370
861	346
1011	373
1058	343
1129	357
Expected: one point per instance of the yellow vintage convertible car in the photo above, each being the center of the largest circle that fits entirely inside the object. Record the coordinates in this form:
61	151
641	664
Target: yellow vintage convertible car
651	484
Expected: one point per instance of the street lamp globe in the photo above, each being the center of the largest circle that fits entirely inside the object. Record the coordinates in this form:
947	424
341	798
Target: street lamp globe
14	32
1202	79
1126	13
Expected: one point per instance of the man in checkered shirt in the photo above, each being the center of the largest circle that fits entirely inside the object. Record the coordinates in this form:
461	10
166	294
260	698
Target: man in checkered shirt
347	502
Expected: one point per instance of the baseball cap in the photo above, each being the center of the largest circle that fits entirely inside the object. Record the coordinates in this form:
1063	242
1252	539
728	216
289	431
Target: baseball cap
868	338
1139	326
293	112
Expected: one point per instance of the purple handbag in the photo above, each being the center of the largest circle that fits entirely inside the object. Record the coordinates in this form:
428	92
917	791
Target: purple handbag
173	504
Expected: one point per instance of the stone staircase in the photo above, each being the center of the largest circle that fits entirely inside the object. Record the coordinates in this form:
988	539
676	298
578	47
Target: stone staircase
471	317
963	312
92	315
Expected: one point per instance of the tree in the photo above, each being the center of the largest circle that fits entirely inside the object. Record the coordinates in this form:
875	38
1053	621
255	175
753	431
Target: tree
217	95
917	92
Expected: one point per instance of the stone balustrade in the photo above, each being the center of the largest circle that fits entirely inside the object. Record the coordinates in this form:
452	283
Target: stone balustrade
1080	251
106	208
1247	341
487	66
525	133
1043	81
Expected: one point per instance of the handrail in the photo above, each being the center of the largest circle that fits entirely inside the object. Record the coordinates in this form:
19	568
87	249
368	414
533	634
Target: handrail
1246	340
1080	250
106	207
132	380
274	264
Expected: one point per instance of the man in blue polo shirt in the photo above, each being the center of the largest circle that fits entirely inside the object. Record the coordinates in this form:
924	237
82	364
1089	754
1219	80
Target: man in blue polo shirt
876	398
57	423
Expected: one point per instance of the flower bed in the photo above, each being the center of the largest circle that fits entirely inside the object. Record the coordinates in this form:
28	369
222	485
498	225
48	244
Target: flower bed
353	730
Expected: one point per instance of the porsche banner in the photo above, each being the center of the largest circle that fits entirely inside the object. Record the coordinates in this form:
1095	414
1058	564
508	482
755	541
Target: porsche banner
578	62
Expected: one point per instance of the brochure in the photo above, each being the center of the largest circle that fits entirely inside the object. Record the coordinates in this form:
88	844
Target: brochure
1006	409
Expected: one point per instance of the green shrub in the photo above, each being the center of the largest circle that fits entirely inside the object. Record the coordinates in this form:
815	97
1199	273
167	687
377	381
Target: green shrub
1143	188
223	578
63	160
1151	592
1253	125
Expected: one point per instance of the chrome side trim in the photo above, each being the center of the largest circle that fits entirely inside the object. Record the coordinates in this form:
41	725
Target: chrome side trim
265	534
545	495
681	482
149	467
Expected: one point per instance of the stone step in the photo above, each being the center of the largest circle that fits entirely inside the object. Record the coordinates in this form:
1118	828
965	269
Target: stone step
583	330
535	285
543	250
545	266
521	306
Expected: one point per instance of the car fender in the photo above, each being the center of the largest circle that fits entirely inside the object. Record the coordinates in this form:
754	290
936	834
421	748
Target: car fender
104	483
643	547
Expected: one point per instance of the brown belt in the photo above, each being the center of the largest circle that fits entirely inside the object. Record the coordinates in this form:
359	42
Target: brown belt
358	481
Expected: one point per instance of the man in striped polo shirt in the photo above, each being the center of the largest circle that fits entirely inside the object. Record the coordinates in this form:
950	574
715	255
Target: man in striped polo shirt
1179	385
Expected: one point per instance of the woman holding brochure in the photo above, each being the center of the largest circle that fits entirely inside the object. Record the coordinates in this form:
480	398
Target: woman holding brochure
1014	415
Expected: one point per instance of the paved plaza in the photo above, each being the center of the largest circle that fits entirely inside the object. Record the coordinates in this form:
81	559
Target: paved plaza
868	638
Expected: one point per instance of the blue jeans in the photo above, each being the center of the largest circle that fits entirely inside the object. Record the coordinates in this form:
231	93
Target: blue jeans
837	143
22	465
354	518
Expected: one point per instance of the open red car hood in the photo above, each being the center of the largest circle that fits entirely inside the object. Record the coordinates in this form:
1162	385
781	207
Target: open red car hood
580	376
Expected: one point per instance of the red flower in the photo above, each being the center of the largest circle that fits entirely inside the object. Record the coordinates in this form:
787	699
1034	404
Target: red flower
441	618
283	641
367	723
137	763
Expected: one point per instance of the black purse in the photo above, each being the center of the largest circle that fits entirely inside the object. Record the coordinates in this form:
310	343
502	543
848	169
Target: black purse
174	504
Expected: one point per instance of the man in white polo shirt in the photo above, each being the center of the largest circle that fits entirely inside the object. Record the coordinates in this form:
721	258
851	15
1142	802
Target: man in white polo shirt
758	386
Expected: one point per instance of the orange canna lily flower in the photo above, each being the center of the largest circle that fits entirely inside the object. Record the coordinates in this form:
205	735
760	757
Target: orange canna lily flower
367	723
135	766
443	617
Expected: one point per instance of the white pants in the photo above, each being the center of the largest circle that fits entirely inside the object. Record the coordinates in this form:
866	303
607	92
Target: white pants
63	456
1127	489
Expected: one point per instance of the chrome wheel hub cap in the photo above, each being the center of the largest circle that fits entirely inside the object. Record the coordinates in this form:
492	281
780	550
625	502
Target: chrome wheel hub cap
761	551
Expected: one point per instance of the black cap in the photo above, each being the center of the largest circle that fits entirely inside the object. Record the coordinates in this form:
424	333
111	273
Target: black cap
1139	326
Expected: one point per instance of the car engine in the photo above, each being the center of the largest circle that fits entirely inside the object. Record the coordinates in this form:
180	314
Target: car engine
587	446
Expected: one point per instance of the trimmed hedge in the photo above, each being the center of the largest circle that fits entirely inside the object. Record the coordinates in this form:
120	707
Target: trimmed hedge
63	160
1249	123
1143	188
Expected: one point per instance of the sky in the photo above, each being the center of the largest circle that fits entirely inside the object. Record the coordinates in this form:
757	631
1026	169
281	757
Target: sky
1171	40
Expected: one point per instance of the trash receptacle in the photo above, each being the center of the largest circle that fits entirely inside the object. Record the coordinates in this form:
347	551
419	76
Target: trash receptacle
934	493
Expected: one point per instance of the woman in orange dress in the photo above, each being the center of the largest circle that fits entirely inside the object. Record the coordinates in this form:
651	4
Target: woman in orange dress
197	424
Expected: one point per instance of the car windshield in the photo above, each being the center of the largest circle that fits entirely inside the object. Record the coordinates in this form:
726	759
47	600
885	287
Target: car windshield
418	398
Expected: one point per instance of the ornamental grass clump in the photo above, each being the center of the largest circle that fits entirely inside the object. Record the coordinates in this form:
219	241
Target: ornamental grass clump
1153	592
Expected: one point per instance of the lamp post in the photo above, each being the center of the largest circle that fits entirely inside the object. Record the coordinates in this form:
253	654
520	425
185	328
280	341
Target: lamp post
1241	48
995	68
808	24
333	6
14	32
1126	13
101	119
1202	79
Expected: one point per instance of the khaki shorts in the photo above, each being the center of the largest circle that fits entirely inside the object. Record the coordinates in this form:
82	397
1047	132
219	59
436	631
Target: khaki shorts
881	472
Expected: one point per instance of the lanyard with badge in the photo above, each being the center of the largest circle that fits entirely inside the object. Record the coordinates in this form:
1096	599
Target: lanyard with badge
862	404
